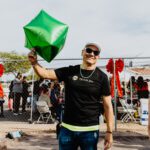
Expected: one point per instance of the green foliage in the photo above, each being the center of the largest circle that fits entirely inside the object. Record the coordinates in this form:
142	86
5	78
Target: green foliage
14	62
36	77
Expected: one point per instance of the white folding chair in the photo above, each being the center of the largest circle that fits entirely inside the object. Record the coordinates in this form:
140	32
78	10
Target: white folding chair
45	113
128	112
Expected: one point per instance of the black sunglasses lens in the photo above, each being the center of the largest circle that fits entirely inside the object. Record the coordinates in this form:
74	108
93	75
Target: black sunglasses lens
89	50
96	53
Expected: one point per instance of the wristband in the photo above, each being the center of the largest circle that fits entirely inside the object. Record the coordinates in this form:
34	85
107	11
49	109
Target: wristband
35	63
109	132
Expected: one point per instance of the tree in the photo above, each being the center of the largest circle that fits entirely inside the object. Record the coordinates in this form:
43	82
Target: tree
14	62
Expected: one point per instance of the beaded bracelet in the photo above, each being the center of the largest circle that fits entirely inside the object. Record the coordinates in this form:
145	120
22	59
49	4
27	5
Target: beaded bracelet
109	132
35	63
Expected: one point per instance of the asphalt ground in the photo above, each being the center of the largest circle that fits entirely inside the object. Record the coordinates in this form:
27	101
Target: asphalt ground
43	137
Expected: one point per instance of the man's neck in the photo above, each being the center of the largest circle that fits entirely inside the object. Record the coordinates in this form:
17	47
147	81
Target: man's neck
88	66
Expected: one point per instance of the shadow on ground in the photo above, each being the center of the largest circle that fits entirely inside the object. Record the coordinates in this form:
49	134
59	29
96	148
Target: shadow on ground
37	142
129	140
48	141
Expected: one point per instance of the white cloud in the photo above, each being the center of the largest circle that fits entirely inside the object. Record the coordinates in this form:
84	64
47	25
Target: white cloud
121	27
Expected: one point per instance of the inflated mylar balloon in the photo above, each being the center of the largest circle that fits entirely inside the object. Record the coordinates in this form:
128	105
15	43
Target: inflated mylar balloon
46	34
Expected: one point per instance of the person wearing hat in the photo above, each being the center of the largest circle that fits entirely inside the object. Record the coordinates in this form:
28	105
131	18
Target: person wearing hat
85	85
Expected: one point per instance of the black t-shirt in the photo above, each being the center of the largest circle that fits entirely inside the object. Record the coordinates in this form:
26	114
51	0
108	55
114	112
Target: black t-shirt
82	95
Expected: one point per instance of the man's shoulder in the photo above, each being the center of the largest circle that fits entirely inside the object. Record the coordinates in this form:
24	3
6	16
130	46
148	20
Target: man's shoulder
69	68
102	73
74	67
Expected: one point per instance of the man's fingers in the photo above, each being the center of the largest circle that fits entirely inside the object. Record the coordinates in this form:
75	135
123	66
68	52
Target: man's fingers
107	145
33	50
32	53
32	56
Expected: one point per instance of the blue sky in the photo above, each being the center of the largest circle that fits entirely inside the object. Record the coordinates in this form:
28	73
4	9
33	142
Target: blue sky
122	28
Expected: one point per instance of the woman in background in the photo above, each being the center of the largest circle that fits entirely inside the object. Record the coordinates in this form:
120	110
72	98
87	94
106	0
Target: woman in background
142	88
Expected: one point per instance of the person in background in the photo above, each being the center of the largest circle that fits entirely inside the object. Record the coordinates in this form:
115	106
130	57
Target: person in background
142	88
85	84
25	93
10	97
1	100
36	93
131	86
54	97
44	95
131	83
17	90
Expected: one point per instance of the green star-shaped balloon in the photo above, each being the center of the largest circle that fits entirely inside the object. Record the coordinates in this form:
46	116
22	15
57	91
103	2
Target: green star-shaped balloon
46	34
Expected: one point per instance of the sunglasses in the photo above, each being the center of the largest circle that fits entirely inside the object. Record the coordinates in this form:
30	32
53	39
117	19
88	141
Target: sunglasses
89	51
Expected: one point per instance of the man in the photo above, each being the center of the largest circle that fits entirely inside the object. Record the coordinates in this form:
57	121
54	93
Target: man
25	93
17	90
84	86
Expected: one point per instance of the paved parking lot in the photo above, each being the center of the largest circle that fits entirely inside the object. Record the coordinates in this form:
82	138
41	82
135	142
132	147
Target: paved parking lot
48	141
42	136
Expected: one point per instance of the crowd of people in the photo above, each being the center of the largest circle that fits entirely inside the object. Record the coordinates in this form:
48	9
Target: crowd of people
50	92
20	95
53	94
137	89
18	89
134	91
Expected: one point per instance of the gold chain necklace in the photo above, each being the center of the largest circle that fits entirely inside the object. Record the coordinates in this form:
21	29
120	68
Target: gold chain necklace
88	75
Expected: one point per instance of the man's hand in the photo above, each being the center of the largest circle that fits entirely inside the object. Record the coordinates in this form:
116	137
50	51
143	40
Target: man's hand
108	141
32	56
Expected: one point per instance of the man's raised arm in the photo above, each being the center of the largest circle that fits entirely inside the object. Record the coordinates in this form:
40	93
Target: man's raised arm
42	72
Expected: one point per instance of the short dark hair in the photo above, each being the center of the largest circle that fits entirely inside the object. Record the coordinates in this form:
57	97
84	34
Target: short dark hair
24	77
19	75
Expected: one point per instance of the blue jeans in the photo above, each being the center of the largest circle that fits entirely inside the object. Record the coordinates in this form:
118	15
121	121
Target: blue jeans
71	140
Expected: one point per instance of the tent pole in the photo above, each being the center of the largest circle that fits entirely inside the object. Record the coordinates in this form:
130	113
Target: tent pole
115	100
31	112
125	86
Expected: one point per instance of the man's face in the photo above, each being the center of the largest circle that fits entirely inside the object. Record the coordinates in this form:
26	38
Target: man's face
90	54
